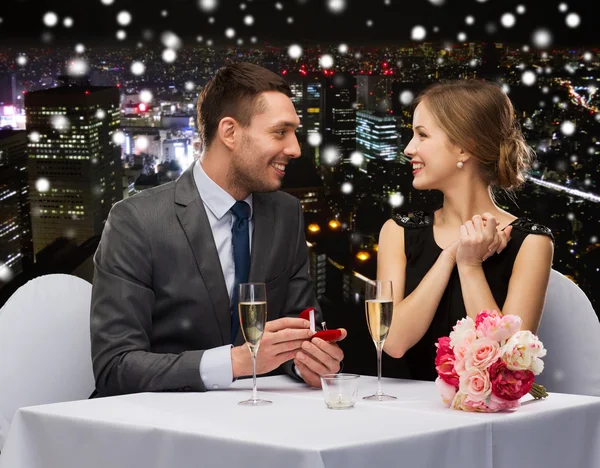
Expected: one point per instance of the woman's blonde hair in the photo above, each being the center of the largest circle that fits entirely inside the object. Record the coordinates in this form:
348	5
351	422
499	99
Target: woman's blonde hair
478	117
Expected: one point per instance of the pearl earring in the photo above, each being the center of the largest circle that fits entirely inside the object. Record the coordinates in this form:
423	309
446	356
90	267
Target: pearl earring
460	164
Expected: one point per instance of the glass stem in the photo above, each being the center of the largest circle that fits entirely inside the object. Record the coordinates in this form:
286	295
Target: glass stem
379	346
254	392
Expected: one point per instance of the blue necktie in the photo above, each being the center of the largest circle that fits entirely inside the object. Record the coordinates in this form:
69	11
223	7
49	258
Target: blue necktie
241	257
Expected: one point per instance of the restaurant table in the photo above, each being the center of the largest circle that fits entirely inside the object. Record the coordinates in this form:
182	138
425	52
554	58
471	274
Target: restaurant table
180	430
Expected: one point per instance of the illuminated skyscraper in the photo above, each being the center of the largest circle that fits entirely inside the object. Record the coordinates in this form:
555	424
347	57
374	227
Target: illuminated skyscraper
16	250
340	113
308	99
74	165
376	135
374	93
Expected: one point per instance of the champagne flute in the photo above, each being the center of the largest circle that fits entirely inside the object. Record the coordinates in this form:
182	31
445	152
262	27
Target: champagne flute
252	307
379	306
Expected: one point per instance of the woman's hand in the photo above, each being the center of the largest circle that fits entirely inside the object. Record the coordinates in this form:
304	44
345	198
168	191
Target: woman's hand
480	239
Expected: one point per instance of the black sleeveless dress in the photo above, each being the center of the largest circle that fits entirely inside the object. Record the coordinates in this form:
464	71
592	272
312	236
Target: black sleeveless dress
421	253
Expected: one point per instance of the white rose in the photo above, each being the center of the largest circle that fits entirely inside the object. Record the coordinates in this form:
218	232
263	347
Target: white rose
523	351
463	330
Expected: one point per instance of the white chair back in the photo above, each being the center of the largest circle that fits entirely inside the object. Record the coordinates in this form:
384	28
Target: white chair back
570	331
45	352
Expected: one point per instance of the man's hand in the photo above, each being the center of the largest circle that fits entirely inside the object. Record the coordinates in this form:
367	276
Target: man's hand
318	357
281	340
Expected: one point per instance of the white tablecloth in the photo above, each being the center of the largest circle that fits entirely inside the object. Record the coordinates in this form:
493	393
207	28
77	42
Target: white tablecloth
180	430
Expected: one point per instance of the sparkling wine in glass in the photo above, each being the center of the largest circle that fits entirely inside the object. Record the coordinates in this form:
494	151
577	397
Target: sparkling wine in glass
252	308
379	306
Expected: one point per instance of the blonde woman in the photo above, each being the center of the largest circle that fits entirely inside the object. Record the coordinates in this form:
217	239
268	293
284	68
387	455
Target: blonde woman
469	255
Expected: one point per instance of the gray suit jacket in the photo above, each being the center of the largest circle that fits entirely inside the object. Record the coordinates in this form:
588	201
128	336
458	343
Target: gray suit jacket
159	297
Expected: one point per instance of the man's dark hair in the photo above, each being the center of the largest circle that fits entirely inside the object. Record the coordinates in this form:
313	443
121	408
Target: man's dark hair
234	92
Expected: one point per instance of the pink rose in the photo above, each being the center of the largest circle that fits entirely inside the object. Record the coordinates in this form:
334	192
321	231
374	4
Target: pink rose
444	362
446	391
481	353
509	384
497	327
474	405
499	404
476	384
481	316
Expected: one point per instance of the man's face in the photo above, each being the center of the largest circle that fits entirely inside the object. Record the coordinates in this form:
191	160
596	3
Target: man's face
266	145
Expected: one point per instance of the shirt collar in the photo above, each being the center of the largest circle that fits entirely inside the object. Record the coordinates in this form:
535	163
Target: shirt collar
214	197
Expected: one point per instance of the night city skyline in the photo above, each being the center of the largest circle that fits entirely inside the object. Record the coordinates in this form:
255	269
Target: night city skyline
353	95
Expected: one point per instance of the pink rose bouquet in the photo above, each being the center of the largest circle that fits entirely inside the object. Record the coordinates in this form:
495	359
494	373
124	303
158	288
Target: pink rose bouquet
488	364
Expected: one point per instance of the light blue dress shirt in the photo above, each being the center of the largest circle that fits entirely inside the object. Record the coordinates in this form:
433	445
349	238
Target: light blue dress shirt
215	365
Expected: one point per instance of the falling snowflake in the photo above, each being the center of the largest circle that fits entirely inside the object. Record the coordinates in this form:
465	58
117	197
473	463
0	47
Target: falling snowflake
470	20
336	6
22	60
418	33
42	185
138	68
508	20
369	23
567	128
506	88
170	40
436	29
6	273
571	216
208	5
593	239
78	67
295	51
396	200
545	89
80	48
240	41
491	28
164	13
587	56
528	78
462	37
190	86
199	38
331	155
107	2
50	19
211	20
209	42
242	6
60	122
169	55
100	114
121	35
570	69
230	33
563	7
525	48
347	188
548	70
573	20
521	9
68	22
142	143
124	18
253	39
555	99
343	48
279	6
591	150
249	20
290	20
118	138
406	97
146	96
357	158
34	137
437	2
473	63
326	61
314	139
541	38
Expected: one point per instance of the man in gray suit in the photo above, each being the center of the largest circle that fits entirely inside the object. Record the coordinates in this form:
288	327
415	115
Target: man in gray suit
166	270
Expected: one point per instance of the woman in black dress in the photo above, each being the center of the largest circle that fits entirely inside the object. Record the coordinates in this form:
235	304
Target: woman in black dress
469	255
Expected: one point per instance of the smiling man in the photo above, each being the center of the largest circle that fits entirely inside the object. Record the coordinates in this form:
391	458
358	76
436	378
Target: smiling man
164	302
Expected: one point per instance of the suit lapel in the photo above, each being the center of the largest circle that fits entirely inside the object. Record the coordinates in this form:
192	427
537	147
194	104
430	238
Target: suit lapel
262	240
194	222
